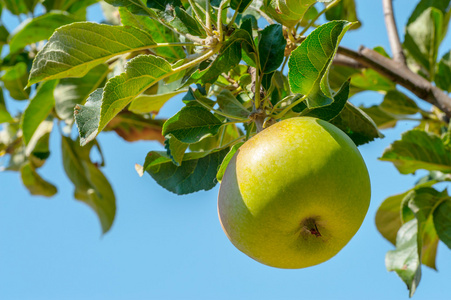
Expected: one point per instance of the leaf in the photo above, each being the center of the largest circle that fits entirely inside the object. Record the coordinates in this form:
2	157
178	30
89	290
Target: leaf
369	79
443	75
416	150
4	34
405	259
396	102
226	161
230	105
422	39
287	12
38	109
76	48
191	124
382	119
442	222
5	116
34	183
228	133
37	29
37	149
15	79
442	5
196	172
132	127
356	124
328	112
141	72
152	103
344	10
175	149
271	48
388	217
136	7
310	62
229	56
16	7
91	186
160	34
240	5
72	91
162	4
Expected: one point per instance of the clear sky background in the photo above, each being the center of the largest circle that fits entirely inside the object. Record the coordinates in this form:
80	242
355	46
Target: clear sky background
164	246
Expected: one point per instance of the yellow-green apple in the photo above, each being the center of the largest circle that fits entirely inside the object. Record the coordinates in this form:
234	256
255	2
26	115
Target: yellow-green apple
294	194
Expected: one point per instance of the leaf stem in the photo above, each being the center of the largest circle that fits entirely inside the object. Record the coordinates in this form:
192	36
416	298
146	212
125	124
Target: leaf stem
208	18
312	22
220	29
199	19
289	107
196	61
232	20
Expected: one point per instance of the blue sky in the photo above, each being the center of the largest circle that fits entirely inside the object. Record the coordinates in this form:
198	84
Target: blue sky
164	246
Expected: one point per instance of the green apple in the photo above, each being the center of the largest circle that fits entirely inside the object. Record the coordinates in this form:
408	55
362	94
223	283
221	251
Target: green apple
294	194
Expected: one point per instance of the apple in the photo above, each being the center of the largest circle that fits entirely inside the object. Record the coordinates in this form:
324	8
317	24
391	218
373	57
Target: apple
295	194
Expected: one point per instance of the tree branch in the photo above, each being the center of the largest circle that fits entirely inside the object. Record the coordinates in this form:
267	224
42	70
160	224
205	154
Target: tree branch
392	31
400	74
341	60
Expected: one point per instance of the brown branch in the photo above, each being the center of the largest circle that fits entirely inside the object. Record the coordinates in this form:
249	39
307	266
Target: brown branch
392	31
400	74
341	60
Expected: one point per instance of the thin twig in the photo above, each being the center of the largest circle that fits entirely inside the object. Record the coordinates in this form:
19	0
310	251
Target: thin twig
392	31
400	74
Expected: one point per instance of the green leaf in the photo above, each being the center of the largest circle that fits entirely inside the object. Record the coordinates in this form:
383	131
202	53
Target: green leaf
344	10
34	183
175	149
5	116
310	62
287	12
443	75
16	7
162	4
136	7
328	112
72	91
227	134
405	260
382	119
396	102
160	34
230	105
37	150
91	186
226	160
38	109
37	29
152	103
191	124
76	48
184	23
388	217
15	79
369	79
356	124
442	5
240	5
423	38
196	172
416	150
442	222
4	34
141	72
230	56
271	48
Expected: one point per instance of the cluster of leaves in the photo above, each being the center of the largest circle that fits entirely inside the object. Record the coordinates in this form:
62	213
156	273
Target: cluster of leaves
118	75
417	219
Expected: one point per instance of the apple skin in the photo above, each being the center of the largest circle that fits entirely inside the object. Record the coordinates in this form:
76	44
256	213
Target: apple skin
295	194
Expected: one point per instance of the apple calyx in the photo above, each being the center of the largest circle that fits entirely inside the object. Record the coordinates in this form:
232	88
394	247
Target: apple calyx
309	225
